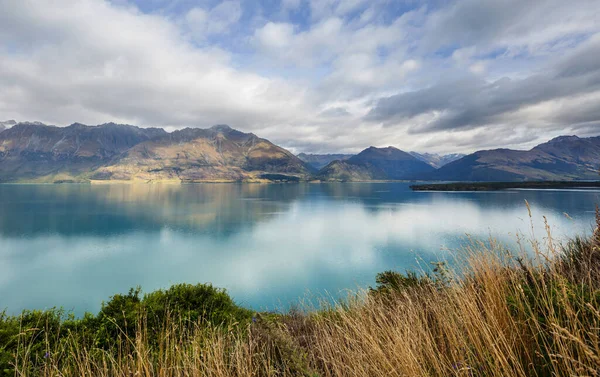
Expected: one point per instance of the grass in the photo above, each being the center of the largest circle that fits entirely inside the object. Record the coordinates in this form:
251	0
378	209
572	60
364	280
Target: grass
505	313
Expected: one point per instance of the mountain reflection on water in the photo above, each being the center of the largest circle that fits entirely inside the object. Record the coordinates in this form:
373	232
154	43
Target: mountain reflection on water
75	245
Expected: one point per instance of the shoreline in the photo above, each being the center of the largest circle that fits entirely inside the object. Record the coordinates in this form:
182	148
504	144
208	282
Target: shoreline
497	186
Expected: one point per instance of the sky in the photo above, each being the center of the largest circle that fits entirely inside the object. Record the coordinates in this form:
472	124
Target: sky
317	76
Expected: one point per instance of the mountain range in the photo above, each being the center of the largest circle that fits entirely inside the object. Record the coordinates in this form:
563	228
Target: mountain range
562	158
319	161
376	164
35	152
41	153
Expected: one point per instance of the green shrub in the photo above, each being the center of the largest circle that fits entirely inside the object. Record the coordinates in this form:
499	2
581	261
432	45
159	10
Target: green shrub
30	331
38	332
195	303
392	281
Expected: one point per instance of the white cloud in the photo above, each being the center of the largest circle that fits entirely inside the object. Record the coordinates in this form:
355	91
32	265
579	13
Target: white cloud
478	67
218	20
96	63
274	36
277	72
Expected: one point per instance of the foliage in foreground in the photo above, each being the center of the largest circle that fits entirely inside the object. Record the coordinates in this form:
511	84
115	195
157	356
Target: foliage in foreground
506	315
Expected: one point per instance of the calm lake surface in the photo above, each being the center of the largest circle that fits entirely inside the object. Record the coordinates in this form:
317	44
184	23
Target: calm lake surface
269	245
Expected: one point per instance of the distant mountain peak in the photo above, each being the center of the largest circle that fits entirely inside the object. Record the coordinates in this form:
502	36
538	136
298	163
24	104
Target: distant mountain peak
7	124
221	128
34	123
564	138
376	163
77	125
437	160
319	161
387	152
113	124
562	158
122	152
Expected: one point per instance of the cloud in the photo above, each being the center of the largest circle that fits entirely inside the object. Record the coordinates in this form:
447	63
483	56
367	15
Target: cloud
477	102
311	75
98	62
274	36
335	112
513	24
218	20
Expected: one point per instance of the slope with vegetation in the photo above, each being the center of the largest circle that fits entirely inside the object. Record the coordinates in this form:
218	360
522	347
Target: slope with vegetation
562	158
503	314
36	152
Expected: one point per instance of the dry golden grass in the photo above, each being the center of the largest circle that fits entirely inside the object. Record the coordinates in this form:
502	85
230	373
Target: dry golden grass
504	316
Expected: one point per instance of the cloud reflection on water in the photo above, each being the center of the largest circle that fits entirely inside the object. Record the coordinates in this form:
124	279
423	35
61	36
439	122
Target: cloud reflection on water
265	251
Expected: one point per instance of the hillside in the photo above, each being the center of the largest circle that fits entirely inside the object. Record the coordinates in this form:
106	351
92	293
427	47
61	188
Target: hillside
376	164
37	152
32	151
562	158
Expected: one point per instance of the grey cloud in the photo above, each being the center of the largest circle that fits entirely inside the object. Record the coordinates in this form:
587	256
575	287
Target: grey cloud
471	21
508	23
471	103
335	112
98	62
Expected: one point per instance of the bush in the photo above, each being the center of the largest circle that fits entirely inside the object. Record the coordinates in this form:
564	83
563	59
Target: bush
196	303
33	328
119	318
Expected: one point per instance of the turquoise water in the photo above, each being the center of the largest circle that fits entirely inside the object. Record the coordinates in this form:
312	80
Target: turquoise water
269	245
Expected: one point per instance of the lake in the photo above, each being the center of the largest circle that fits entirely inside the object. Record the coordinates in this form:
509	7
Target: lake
267	244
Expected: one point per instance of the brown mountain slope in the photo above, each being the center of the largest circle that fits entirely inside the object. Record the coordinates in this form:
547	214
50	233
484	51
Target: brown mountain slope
36	152
563	158
32	151
215	154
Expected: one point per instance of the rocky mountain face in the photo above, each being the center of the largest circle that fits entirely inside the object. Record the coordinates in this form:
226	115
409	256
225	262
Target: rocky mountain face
563	158
436	160
319	161
30	151
34	152
376	164
192	154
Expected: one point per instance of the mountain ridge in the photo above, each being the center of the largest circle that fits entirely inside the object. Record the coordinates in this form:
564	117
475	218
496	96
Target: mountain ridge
564	157
35	152
374	163
38	152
